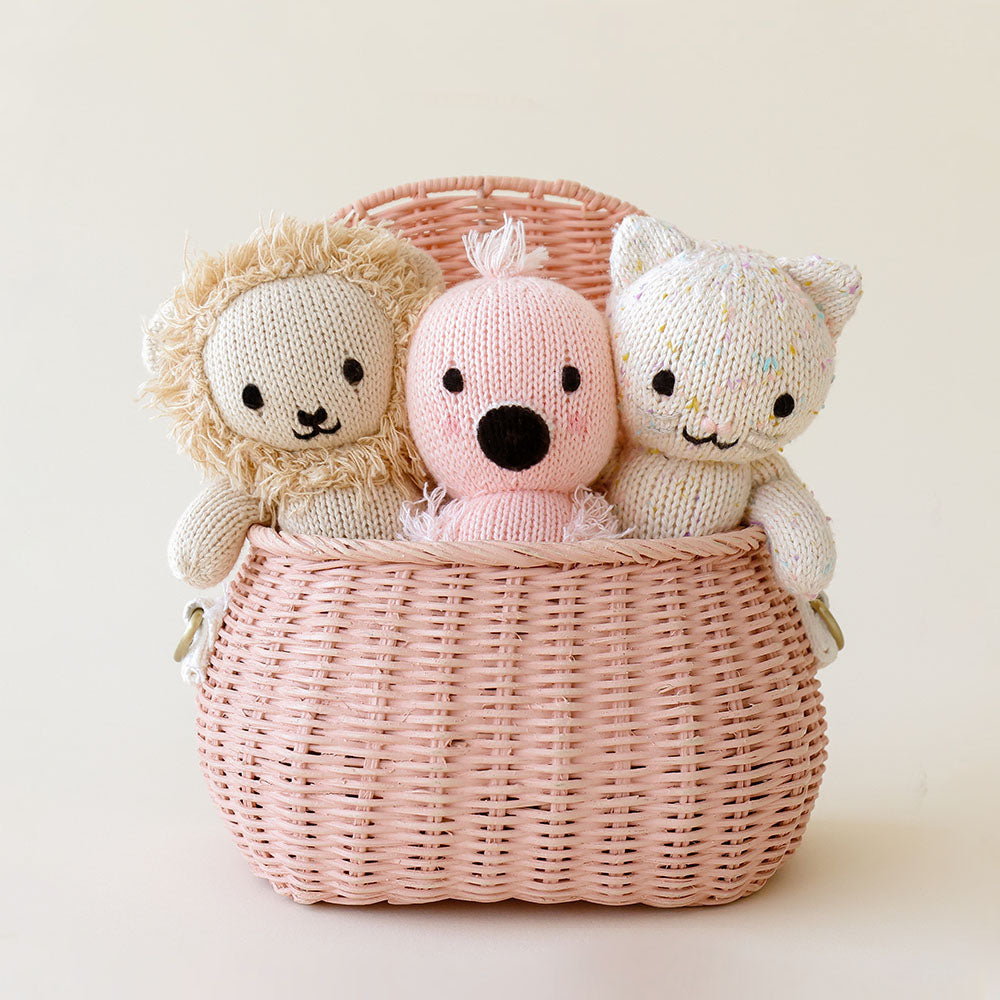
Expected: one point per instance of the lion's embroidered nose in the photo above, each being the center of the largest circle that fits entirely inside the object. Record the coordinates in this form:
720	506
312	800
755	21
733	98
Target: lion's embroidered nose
513	437
312	419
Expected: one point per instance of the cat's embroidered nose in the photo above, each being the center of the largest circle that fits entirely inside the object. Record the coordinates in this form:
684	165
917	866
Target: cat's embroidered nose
513	437
709	426
312	419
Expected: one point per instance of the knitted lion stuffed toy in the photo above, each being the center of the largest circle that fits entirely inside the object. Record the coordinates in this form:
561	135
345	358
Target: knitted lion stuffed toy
281	364
723	356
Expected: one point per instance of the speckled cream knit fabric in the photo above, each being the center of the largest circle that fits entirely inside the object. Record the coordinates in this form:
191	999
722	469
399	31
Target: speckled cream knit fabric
511	401
281	361
723	356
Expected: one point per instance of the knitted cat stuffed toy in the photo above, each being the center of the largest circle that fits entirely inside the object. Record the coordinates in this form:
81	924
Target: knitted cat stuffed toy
281	364
723	355
511	400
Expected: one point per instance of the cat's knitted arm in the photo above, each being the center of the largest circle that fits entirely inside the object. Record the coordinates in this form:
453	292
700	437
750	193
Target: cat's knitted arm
207	540
798	532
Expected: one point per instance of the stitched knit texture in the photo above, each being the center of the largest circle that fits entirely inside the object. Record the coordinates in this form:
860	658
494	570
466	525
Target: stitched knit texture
392	273
206	541
317	352
723	355
522	515
510	396
281	361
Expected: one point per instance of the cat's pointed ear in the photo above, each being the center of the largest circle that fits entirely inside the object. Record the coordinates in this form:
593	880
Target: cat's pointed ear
833	286
640	243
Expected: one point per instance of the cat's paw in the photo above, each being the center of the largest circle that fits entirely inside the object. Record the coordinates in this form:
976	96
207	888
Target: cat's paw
804	571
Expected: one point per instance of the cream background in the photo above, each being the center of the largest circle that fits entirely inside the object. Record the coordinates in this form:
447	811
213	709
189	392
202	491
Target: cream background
862	130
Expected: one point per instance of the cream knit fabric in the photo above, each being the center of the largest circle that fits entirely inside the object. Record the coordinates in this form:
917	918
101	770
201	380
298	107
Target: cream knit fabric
282	363
206	541
350	512
302	362
723	355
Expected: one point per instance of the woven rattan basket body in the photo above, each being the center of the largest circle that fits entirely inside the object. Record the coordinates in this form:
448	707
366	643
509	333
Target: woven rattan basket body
621	722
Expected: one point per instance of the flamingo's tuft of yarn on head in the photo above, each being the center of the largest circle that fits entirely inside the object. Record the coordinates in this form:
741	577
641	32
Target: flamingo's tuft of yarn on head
503	252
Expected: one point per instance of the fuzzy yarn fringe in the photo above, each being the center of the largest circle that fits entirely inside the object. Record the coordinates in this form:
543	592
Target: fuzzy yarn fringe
592	517
401	279
503	252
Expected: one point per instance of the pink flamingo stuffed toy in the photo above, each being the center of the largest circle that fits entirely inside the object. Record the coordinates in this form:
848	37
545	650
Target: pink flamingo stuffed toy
511	401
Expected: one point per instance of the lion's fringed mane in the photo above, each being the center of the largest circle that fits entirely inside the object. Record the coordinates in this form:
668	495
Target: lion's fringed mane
401	279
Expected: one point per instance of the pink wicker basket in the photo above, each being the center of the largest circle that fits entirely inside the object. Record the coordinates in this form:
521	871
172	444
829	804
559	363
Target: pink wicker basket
621	722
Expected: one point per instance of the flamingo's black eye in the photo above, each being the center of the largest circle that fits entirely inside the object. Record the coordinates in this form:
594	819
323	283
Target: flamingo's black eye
570	378
663	382
783	405
252	399
453	380
353	371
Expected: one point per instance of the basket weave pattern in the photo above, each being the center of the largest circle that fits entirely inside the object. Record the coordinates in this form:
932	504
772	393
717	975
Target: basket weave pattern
571	221
622	722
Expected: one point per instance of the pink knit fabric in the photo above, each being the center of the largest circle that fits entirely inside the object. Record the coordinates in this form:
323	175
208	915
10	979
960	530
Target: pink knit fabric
511	399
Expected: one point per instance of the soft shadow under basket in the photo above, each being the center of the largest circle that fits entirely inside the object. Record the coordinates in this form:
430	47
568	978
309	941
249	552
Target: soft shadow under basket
615	721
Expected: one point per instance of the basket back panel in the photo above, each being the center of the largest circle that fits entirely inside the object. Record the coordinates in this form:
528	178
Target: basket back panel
573	222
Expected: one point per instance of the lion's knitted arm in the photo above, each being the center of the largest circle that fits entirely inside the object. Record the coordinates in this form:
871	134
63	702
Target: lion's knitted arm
798	532
207	540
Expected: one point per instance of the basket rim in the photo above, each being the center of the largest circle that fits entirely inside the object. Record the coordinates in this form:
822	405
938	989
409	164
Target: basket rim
484	186
510	555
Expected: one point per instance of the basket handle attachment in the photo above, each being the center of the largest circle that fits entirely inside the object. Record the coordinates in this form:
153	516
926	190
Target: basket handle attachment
194	652
822	608
196	615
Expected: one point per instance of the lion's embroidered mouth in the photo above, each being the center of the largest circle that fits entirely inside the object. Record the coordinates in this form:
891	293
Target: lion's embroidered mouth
317	430
710	439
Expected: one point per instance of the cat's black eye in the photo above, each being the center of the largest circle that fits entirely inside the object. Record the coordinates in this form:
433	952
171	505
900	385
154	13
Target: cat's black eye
570	378
663	382
783	405
453	380
252	399
353	371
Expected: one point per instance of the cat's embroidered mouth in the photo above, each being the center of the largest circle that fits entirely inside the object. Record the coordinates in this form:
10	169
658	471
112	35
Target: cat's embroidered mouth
317	430
710	439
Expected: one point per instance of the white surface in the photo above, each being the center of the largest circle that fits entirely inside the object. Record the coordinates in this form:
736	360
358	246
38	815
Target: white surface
855	129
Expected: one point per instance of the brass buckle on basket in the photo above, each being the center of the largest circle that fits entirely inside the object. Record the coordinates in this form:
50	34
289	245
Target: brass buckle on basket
826	616
195	619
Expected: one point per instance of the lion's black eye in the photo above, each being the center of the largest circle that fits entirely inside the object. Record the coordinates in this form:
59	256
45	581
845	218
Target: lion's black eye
570	378
663	382
353	371
783	405
453	380
252	399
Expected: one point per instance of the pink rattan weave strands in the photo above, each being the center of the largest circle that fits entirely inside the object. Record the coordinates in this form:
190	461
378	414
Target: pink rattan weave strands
622	722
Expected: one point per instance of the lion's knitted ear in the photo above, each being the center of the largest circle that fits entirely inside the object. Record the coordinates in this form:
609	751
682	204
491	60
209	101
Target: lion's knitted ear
833	286
427	270
152	352
640	243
